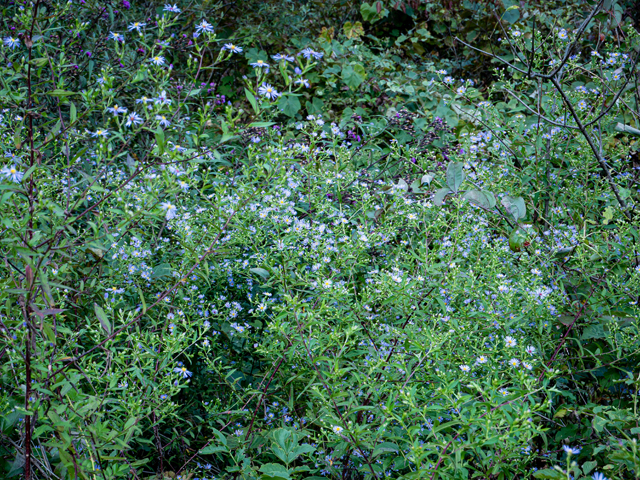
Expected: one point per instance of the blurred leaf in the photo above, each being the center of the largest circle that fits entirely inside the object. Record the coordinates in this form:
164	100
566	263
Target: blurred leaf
260	271
627	129
455	176
438	198
384	447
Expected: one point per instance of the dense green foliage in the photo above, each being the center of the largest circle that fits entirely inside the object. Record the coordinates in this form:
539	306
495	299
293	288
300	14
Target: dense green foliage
324	239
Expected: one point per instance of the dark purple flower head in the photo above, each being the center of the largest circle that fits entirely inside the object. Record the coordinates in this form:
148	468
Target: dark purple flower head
88	54
126	4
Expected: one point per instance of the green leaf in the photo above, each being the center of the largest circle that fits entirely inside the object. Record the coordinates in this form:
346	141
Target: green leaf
275	470
281	435
599	423
353	75
480	198
455	176
289	105
260	271
220	436
162	270
314	107
549	473
368	12
438	198
160	140
144	304
102	317
16	466
588	466
73	113
252	100
515	206
384	447
261	124
593	331
303	449
627	129
61	93
512	14
427	177
213	449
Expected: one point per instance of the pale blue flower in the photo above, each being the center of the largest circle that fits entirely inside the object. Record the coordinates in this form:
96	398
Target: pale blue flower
12	174
183	372
268	91
232	48
11	42
136	26
204	26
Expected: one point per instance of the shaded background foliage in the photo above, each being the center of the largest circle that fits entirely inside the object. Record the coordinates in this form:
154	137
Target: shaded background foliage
379	58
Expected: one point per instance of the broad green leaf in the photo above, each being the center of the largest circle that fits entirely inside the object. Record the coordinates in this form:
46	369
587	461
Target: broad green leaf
314	107
260	271
455	176
550	474
213	449
438	199
384	447
275	470
352	75
289	105
481	198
